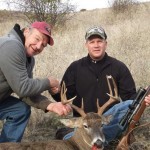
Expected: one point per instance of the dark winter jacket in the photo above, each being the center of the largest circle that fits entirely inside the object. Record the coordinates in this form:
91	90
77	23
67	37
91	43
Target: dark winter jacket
86	79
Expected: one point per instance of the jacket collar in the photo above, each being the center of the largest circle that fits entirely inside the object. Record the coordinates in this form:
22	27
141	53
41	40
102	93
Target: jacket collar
19	35
90	60
19	32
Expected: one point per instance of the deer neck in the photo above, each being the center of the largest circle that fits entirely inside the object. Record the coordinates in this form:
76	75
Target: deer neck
81	139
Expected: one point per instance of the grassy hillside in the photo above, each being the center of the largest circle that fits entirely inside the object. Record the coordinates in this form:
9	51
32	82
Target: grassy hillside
128	40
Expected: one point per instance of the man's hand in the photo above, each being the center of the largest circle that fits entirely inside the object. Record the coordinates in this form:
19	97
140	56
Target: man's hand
59	108
54	86
147	100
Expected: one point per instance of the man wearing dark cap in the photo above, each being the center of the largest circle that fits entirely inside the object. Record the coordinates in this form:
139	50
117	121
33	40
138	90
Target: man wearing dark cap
17	49
86	78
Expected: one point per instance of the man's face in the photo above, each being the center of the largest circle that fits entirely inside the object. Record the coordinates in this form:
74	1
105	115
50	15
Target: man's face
96	47
35	41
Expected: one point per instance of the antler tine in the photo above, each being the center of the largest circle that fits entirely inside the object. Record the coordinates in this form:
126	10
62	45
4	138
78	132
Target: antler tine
65	101
79	110
63	95
110	89
112	98
115	90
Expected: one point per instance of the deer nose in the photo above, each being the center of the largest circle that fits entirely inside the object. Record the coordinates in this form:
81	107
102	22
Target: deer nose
98	144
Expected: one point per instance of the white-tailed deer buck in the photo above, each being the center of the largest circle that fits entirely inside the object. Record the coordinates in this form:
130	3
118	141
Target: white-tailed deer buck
87	135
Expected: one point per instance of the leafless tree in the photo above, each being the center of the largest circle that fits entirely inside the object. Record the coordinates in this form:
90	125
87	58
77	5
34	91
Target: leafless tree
53	11
122	5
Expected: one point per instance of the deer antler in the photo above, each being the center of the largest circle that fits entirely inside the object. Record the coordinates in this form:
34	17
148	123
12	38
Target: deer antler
112	99
115	97
65	101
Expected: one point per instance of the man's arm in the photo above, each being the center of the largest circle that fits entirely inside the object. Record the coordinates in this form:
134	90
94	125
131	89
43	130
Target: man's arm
126	84
42	102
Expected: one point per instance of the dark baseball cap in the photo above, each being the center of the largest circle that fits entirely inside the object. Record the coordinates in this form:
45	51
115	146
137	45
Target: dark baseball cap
96	31
44	28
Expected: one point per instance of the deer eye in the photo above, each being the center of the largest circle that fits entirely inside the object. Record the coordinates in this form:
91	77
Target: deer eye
85	126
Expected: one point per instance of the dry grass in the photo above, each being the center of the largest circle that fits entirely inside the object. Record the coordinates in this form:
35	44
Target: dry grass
128	40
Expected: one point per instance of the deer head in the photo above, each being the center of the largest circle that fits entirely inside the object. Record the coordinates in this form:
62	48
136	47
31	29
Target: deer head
89	125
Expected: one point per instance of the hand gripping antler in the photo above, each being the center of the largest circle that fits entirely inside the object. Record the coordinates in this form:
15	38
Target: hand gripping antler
112	99
65	101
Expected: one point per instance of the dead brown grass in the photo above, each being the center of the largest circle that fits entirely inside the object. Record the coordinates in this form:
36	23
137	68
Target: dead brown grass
128	40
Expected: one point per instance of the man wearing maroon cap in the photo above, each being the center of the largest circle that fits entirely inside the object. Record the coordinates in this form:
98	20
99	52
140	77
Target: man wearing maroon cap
17	49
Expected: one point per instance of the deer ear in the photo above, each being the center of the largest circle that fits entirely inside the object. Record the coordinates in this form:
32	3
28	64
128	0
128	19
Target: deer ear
72	122
106	119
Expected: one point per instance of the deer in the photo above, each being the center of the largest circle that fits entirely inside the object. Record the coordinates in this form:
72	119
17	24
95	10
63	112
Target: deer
88	128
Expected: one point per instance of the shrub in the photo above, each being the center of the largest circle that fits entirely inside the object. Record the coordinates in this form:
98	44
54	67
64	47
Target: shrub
121	6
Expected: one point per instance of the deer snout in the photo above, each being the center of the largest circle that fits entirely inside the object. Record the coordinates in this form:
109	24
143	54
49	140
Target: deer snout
99	144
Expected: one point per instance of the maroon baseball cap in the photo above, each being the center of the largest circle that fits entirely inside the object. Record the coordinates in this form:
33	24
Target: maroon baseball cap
44	28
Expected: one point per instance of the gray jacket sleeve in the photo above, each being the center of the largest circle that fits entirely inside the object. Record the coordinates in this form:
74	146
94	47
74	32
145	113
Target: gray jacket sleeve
37	101
13	65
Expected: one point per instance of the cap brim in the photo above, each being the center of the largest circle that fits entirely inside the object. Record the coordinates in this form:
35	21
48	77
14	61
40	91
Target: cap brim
95	34
51	41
